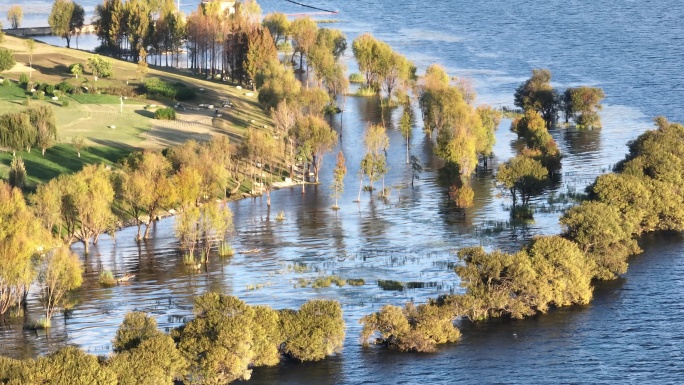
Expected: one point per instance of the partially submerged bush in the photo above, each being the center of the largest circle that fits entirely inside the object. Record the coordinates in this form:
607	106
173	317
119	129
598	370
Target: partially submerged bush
107	278
136	328
412	328
390	285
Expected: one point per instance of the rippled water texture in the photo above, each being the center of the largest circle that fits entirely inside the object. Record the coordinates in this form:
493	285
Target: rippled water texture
632	332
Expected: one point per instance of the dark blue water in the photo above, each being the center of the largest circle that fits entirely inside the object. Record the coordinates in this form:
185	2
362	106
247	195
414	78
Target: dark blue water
633	331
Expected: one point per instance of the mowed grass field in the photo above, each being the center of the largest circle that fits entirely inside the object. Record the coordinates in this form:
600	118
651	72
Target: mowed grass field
109	132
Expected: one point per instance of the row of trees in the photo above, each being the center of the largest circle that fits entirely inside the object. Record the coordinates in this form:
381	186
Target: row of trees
465	133
384	70
225	340
524	175
642	195
29	254
34	126
125	28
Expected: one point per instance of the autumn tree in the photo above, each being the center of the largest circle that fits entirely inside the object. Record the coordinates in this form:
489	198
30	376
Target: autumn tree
30	47
314	137
374	163
313	332
338	178
60	272
21	240
136	328
146	188
537	94
303	32
66	19
494	284
522	176
406	128
278	25
602	233
217	342
142	63
87	203
582	104
411	328
14	16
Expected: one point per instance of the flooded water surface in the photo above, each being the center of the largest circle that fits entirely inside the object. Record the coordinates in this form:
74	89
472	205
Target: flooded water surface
632	332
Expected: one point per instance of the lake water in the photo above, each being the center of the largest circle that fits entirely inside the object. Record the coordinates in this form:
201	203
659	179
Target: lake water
632	332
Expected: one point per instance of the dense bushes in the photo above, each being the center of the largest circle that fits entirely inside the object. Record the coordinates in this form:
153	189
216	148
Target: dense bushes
177	91
165	114
223	343
233	336
411	328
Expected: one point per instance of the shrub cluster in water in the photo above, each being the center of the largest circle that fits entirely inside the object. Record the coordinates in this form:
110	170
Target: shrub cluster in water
225	340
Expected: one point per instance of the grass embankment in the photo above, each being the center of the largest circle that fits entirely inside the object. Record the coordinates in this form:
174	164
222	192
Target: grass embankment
108	132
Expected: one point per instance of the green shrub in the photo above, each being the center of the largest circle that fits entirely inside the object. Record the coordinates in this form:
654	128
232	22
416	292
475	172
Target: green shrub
356	281
17	173
177	91
314	332
27	102
390	285
23	79
107	278
225	250
413	328
356	78
155	361
40	95
65	87
50	89
65	103
136	328
165	114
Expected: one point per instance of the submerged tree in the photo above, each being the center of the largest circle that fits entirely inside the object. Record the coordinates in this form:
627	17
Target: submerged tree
537	94
522	176
338	178
60	273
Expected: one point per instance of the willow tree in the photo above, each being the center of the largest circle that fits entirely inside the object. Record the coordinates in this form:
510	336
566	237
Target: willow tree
16	131
42	119
60	272
146	188
90	194
314	137
21	240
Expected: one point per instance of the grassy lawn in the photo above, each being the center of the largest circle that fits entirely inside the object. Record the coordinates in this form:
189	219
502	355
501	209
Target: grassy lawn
110	133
